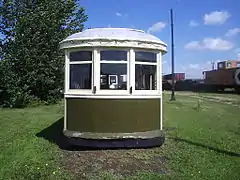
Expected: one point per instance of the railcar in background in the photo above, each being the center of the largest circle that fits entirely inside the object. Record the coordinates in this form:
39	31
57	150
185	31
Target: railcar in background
167	80
226	75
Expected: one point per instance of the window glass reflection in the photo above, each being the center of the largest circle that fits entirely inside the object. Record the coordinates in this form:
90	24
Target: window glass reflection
145	77
220	65
80	76
81	56
229	64
238	64
113	76
146	56
113	55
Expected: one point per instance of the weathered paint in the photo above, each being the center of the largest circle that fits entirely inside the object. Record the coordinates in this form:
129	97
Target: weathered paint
112	115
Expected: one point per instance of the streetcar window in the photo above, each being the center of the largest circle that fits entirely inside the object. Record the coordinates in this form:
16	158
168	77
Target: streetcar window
238	64
229	64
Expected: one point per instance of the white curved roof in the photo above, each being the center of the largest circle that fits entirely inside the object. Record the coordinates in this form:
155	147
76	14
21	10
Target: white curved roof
114	34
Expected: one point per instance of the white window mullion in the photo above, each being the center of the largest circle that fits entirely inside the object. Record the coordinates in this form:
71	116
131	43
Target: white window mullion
159	82
128	71
146	63
97	68
67	74
132	70
113	61
80	62
159	72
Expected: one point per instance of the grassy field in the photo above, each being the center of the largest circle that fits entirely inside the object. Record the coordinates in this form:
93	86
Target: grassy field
202	142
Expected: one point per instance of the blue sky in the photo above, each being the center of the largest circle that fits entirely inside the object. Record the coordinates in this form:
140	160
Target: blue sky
205	31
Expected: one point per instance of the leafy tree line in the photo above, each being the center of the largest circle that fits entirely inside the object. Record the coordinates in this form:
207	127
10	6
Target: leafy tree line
31	65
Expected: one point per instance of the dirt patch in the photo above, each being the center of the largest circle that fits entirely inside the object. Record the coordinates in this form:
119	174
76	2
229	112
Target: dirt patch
121	163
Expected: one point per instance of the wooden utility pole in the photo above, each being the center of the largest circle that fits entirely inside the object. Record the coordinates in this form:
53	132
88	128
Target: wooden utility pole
172	57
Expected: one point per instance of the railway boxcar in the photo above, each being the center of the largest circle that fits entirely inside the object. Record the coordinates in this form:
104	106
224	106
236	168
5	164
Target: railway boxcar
227	75
167	80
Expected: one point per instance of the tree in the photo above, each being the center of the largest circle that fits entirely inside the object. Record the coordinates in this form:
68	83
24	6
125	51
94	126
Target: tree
31	32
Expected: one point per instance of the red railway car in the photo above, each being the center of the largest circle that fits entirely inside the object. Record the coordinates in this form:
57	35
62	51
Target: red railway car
178	76
227	75
167	80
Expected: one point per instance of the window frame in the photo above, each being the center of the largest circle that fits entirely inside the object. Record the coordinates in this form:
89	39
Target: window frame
96	64
67	71
229	64
237	64
158	65
98	72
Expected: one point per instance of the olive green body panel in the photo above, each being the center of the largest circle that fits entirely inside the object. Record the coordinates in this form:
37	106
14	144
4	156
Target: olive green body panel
112	115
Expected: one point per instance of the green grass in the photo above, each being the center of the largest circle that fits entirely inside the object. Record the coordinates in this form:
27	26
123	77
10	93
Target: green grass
202	142
23	154
207	140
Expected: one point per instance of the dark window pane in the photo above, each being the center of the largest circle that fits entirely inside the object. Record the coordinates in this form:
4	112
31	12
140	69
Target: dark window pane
238	64
81	56
114	55
80	76
221	65
113	76
229	64
145	77
146	56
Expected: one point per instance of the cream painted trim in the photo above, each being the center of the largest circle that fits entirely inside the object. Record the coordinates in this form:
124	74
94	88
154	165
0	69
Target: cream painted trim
113	62
113	43
132	70
110	92
66	71
89	39
161	115
159	72
65	115
96	69
135	135
96	74
80	62
149	50
146	92
160	88
146	63
112	96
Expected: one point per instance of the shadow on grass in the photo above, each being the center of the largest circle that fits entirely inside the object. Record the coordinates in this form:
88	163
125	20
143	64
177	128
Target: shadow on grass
206	146
54	134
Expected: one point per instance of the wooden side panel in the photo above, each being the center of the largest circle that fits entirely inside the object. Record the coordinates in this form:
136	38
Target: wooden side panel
113	115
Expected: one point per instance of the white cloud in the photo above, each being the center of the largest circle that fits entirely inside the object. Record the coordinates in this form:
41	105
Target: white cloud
232	32
214	44
216	17
194	66
195	70
193	23
121	14
157	27
238	52
118	14
238	55
193	45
